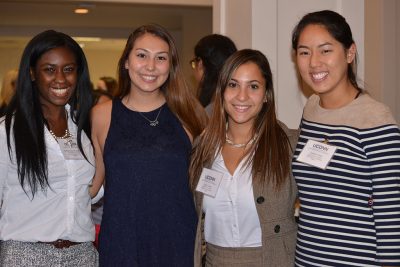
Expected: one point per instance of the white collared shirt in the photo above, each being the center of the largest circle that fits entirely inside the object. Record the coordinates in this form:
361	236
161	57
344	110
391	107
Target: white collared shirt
62	211
231	218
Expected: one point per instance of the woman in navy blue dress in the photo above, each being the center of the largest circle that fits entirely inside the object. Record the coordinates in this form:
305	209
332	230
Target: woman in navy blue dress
142	142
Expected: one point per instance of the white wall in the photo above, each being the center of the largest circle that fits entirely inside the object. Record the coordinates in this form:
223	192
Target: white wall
382	67
9	59
194	24
102	63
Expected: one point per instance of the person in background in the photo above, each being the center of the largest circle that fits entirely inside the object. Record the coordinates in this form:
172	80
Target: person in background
47	161
108	84
7	90
210	53
240	172
142	143
347	160
100	96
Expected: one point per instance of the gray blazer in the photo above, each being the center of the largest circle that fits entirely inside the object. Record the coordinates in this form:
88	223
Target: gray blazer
276	213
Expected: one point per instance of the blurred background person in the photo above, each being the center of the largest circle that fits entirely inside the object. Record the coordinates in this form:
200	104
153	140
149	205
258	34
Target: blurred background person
106	89
7	89
99	95
210	53
108	84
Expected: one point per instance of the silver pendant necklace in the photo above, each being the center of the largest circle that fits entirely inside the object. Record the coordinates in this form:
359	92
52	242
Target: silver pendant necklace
154	122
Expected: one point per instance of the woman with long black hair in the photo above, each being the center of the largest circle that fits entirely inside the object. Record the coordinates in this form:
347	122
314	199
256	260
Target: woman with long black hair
46	166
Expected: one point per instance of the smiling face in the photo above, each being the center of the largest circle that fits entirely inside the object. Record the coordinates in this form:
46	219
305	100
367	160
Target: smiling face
323	62
245	95
55	75
148	63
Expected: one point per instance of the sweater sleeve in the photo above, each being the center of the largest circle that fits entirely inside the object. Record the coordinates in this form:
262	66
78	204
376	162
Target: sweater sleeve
382	147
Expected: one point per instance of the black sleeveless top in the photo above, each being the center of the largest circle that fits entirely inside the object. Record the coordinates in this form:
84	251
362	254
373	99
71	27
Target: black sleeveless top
149	217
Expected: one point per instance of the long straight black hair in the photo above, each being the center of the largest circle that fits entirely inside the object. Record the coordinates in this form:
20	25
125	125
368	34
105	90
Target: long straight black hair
24	114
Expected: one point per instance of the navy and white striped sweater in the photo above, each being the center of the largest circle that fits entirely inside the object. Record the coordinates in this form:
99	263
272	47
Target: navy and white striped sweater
350	212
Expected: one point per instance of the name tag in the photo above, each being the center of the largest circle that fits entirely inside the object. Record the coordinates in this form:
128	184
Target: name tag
317	154
69	148
209	182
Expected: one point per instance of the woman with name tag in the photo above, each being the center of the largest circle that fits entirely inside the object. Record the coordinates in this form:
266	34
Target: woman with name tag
240	172
347	161
47	161
142	141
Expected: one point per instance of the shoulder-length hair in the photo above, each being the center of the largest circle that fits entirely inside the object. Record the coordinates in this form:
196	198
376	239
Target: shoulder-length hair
24	114
272	151
180	99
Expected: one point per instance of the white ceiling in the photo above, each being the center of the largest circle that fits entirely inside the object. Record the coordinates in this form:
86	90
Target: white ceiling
112	21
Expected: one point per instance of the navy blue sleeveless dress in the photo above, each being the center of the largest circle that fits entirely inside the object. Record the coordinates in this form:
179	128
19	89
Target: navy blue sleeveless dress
149	217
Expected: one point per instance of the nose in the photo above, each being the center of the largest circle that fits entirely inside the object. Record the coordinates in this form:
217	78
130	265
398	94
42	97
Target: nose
242	94
315	60
60	76
150	65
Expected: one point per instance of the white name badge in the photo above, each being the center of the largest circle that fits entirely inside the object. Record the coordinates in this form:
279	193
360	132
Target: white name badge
209	182
317	154
69	148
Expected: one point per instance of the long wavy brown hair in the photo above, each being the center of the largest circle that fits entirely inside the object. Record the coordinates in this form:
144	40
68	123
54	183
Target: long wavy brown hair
272	150
180	99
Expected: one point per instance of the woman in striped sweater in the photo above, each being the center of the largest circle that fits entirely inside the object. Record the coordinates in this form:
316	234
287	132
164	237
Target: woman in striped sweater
347	160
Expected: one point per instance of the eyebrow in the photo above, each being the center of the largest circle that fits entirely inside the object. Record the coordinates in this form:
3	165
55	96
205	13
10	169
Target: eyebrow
321	45
251	81
144	49
55	65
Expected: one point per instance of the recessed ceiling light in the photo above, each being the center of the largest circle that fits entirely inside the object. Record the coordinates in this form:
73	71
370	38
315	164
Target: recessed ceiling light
84	8
87	39
81	10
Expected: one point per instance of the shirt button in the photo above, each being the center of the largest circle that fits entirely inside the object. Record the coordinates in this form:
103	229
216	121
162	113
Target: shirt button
260	200
277	228
71	198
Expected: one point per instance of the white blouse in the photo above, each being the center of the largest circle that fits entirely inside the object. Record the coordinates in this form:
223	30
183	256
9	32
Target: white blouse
231	218
62	211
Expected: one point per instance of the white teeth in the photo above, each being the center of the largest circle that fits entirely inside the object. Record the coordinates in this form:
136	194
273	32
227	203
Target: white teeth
241	108
148	78
319	76
59	92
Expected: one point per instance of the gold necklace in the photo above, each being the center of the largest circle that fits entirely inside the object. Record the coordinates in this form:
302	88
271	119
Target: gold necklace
231	143
66	135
